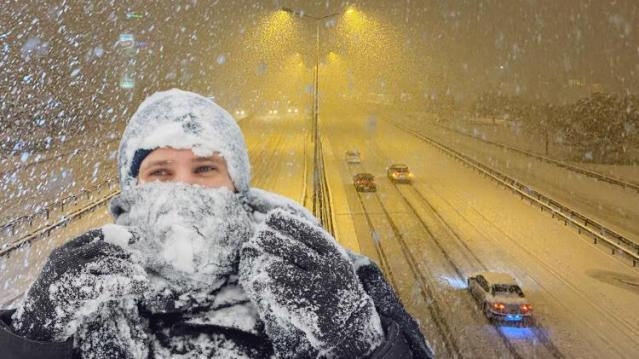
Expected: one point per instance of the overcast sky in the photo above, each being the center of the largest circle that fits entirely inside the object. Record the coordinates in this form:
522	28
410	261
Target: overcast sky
545	49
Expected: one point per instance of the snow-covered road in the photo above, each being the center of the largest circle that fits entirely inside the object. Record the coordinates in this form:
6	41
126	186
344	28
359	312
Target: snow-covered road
616	207
450	222
583	297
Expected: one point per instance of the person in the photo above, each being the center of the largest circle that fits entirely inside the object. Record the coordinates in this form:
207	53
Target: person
200	264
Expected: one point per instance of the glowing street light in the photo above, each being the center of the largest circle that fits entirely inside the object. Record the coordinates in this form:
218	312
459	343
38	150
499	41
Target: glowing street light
317	20
317	185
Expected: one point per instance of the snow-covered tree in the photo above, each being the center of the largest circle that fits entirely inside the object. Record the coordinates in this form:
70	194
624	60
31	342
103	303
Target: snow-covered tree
602	127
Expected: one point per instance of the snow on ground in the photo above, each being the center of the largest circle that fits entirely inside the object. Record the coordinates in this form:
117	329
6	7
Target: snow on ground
616	207
21	267
584	297
628	173
505	132
559	269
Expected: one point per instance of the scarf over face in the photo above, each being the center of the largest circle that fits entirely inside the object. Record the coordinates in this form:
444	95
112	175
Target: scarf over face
187	236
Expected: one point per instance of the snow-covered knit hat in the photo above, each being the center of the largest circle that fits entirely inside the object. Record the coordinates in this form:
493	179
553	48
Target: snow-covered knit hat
183	120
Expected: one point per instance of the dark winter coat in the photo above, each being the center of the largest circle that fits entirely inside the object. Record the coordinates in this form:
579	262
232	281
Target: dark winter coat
402	337
402	333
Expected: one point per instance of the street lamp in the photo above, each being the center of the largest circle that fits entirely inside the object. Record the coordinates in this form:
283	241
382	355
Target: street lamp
318	207
317	20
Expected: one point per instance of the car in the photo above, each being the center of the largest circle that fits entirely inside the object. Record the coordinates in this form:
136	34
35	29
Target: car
398	172
364	182
500	297
352	156
240	114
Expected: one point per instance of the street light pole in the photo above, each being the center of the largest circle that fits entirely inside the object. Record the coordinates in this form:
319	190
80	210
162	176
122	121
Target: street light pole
318	21
318	207
317	60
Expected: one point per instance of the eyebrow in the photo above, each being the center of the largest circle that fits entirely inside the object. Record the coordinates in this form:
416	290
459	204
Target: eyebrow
158	163
197	159
206	159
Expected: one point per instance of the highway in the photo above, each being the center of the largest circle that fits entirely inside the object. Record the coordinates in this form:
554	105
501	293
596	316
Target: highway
430	235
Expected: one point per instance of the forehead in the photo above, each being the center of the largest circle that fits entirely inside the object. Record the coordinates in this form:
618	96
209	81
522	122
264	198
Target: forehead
172	154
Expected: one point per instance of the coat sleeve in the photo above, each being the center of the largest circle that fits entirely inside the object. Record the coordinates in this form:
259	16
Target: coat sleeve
13	346
394	345
400	328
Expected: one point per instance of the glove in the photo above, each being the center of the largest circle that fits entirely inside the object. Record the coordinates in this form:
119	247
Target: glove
116	331
77	279
307	292
389	306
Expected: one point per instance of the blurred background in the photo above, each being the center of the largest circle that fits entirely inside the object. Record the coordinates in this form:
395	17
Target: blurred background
74	66
539	96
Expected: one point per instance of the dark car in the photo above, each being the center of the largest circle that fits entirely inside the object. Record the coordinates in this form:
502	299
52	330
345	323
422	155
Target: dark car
364	182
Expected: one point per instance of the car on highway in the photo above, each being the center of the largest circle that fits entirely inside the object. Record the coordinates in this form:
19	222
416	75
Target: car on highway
352	156
500	297
240	114
364	182
398	172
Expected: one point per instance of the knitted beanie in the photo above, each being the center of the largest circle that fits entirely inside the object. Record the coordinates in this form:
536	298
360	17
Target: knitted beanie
183	120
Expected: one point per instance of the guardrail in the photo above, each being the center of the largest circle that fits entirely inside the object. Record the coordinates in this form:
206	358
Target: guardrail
589	173
60	204
321	195
45	231
594	229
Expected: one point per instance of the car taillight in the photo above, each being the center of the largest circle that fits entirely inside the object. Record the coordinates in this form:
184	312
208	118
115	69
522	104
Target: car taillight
525	308
499	306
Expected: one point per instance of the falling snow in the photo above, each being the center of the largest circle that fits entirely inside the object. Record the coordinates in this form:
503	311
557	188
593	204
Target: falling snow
544	92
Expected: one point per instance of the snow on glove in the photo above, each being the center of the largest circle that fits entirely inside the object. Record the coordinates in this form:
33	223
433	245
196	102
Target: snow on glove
116	331
76	280
388	305
307	291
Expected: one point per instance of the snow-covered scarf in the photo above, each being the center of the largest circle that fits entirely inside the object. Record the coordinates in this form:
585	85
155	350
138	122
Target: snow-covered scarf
186	235
187	239
180	312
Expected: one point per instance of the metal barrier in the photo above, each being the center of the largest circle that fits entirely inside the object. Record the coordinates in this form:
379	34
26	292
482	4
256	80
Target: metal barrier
583	224
45	231
589	173
60	204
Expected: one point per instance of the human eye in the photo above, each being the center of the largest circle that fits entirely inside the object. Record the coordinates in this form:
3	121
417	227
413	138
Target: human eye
205	169
159	173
